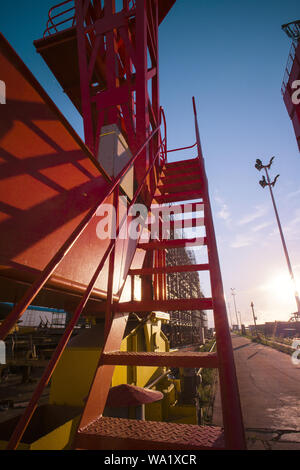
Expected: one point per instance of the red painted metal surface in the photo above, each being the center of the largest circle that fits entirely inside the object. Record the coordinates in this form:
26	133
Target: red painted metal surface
129	395
19	309
173	359
169	269
50	187
98	393
122	434
109	330
190	207
231	406
183	148
184	165
61	14
165	305
61	253
179	187
49	182
116	53
289	92
177	243
175	197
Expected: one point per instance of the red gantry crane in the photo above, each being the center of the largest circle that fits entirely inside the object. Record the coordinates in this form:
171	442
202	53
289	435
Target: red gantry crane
53	185
291	82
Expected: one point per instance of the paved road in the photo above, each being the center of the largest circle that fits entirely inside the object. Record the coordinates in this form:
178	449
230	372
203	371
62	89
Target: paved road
269	385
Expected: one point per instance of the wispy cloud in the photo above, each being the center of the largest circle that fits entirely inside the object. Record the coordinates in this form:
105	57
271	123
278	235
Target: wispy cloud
223	212
292	229
293	194
242	240
260	227
260	211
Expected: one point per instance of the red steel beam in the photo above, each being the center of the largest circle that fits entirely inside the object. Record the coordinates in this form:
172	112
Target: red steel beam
181	196
183	148
170	244
165	305
169	269
231	406
187	208
166	187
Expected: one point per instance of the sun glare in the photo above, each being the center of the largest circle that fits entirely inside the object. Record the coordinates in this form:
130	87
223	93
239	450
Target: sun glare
281	287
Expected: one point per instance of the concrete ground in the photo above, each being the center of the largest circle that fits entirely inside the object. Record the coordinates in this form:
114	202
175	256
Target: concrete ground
269	385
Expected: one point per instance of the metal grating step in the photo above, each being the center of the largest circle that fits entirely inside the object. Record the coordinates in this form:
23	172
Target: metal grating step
180	196
169	270
188	359
180	186
130	434
182	165
178	177
170	244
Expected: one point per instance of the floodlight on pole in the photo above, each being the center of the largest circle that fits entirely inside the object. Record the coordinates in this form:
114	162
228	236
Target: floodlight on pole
267	182
254	318
235	309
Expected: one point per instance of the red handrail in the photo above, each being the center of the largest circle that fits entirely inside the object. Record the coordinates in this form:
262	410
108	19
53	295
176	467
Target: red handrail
231	406
53	26
288	68
182	148
163	116
62	13
26	417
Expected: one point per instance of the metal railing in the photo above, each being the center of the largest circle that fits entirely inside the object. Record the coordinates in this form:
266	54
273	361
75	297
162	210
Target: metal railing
292	29
64	19
183	148
288	68
58	18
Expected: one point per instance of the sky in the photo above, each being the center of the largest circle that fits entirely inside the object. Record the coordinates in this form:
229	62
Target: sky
231	56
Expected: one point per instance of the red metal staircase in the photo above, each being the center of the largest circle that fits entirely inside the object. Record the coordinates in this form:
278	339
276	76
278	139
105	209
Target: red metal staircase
98	432
126	102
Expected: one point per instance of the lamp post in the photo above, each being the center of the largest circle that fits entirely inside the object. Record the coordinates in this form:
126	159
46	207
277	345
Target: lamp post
267	182
240	316
229	310
233	295
254	318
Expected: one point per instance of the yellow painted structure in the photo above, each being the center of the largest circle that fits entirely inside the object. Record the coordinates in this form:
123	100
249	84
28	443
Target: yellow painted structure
51	428
73	375
53	425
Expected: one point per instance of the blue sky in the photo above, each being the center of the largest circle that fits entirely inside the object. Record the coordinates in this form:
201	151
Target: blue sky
231	56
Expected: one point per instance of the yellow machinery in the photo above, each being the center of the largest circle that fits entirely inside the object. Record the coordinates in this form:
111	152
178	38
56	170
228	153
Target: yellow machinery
54	424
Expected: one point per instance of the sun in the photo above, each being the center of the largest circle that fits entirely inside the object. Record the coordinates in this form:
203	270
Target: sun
281	287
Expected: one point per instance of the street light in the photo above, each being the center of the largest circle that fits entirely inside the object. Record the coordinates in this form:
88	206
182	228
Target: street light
229	310
233	295
240	315
267	182
254	318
